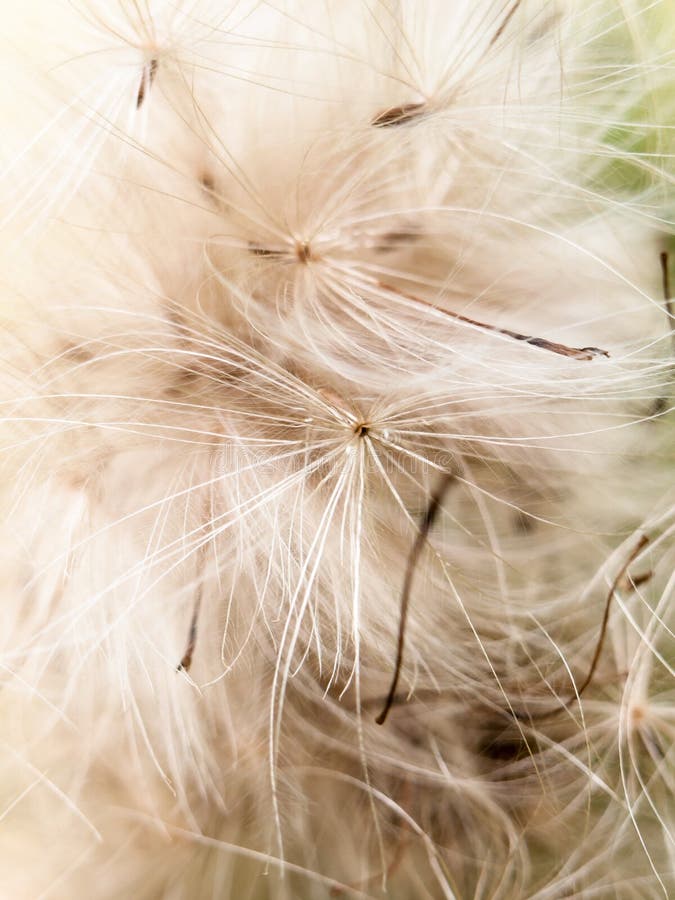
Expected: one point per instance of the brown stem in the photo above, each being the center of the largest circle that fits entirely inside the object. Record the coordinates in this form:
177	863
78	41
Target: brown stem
644	540
582	353
430	514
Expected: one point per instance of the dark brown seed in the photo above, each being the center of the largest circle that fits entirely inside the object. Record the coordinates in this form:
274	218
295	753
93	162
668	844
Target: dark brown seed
507	18
582	353
398	115
257	250
147	78
186	661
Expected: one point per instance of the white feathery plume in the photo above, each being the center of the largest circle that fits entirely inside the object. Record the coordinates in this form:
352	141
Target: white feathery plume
336	441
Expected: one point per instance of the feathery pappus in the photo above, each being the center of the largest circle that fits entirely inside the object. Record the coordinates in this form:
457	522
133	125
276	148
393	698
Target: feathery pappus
337	449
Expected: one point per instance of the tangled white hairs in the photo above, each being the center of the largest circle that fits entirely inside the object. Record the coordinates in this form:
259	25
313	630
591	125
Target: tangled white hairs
336	449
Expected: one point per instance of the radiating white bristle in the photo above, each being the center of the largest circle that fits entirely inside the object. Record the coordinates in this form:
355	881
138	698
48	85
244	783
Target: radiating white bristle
284	287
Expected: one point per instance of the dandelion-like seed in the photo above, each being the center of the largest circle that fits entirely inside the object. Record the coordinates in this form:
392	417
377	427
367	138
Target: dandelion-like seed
336	435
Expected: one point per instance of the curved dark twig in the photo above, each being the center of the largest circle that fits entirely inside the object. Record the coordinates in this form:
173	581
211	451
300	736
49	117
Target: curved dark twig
644	540
430	515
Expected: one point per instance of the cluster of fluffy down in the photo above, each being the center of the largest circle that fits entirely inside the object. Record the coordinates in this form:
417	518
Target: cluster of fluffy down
337	360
